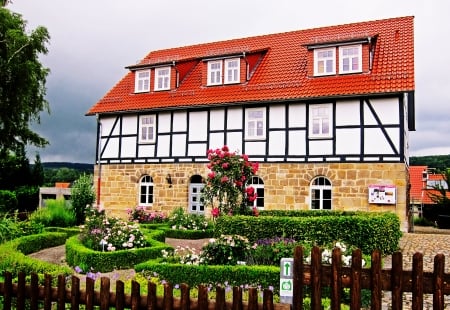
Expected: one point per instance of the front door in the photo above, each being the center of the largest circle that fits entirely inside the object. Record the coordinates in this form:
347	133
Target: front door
195	198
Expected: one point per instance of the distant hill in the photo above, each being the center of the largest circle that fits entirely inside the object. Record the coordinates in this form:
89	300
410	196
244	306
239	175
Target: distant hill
76	166
439	162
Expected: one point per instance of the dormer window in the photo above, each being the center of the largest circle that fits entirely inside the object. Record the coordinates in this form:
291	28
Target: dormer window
350	59
324	61
215	72
162	78
226	71
142	81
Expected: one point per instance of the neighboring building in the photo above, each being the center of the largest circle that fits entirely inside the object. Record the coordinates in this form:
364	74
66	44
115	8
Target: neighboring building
61	190
424	182
326	112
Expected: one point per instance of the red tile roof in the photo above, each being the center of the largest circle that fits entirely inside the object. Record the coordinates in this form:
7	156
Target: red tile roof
418	192
283	74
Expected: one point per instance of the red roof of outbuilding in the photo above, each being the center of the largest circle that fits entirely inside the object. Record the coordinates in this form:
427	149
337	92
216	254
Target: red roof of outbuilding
283	71
419	192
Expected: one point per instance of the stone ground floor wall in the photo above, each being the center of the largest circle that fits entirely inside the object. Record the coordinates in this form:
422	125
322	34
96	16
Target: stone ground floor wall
286	186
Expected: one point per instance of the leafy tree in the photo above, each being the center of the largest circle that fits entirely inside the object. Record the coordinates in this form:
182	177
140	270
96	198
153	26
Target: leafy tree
82	196
22	82
37	172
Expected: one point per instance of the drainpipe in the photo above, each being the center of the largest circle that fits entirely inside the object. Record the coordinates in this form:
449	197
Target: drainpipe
99	151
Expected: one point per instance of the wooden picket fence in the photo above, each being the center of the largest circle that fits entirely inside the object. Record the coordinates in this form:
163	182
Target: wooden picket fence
21	295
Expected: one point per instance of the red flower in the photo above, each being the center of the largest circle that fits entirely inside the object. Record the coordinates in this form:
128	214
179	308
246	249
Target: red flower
224	179
225	148
211	175
215	212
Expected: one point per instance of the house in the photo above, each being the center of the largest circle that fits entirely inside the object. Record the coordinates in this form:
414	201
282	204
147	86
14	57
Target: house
424	182
325	112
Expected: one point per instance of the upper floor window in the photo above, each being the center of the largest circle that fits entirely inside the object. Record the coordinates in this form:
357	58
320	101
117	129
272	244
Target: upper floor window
232	70
320	194
255	120
147	128
142	81
350	59
215	72
320	120
324	61
162	78
146	190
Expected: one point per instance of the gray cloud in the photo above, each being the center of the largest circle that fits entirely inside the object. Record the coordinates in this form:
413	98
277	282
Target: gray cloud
92	42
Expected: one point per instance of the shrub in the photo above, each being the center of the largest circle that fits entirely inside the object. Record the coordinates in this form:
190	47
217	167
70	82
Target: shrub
82	195
8	201
225	250
55	213
27	198
101	233
143	216
269	251
179	219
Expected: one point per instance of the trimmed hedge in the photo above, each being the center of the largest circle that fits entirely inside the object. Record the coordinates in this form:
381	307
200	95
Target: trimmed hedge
264	276
365	230
78	255
13	254
180	233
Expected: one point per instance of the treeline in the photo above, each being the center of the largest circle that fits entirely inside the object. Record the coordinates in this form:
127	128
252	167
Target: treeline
438	162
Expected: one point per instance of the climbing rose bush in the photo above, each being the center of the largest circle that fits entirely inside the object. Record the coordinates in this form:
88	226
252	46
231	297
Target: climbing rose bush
227	190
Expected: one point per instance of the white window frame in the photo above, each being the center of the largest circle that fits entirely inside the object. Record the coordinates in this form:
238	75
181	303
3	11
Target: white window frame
214	72
147	128
255	124
146	190
352	59
258	184
162	78
321	120
324	186
142	81
322	61
232	70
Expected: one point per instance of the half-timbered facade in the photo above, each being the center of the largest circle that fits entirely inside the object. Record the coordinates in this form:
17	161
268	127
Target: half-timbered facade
326	112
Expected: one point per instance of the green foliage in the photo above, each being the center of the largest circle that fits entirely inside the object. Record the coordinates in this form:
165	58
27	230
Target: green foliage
11	228
37	172
55	213
82	195
269	251
8	201
27	197
179	219
225	250
439	162
79	255
365	230
22	82
13	255
226	190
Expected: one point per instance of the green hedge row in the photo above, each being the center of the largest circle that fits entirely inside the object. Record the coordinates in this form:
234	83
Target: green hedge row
79	255
264	276
13	254
367	231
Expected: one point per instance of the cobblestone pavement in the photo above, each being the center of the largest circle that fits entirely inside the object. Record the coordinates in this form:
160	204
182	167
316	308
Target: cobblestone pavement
429	244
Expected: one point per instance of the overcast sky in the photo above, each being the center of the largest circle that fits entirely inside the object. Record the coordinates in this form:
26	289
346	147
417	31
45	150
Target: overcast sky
93	40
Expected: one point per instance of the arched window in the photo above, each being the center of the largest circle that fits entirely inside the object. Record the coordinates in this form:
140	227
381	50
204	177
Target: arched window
258	184
146	190
320	194
195	195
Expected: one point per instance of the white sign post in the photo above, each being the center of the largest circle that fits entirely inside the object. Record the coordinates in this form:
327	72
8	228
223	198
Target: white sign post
286	280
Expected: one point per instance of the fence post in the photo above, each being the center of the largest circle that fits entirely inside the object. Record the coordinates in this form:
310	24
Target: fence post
151	296
48	292
417	283
185	302
89	293
220	298
267	299
61	292
298	278
375	283
396	280
75	298
202	298
34	292
136	295
104	293
20	304
237	298
355	290
438	275
336	280
316	278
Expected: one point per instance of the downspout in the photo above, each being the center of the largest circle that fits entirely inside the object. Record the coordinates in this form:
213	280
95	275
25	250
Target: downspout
99	177
177	78
247	67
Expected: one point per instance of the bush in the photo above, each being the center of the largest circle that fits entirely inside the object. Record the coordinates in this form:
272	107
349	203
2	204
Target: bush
82	195
181	220
27	198
141	215
269	251
56	213
8	201
225	250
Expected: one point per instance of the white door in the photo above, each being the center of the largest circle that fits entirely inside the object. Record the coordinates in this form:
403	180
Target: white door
195	198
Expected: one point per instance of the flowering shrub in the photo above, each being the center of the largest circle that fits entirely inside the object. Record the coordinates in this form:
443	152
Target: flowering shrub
346	255
225	250
101	233
226	190
141	215
179	219
182	255
270	251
